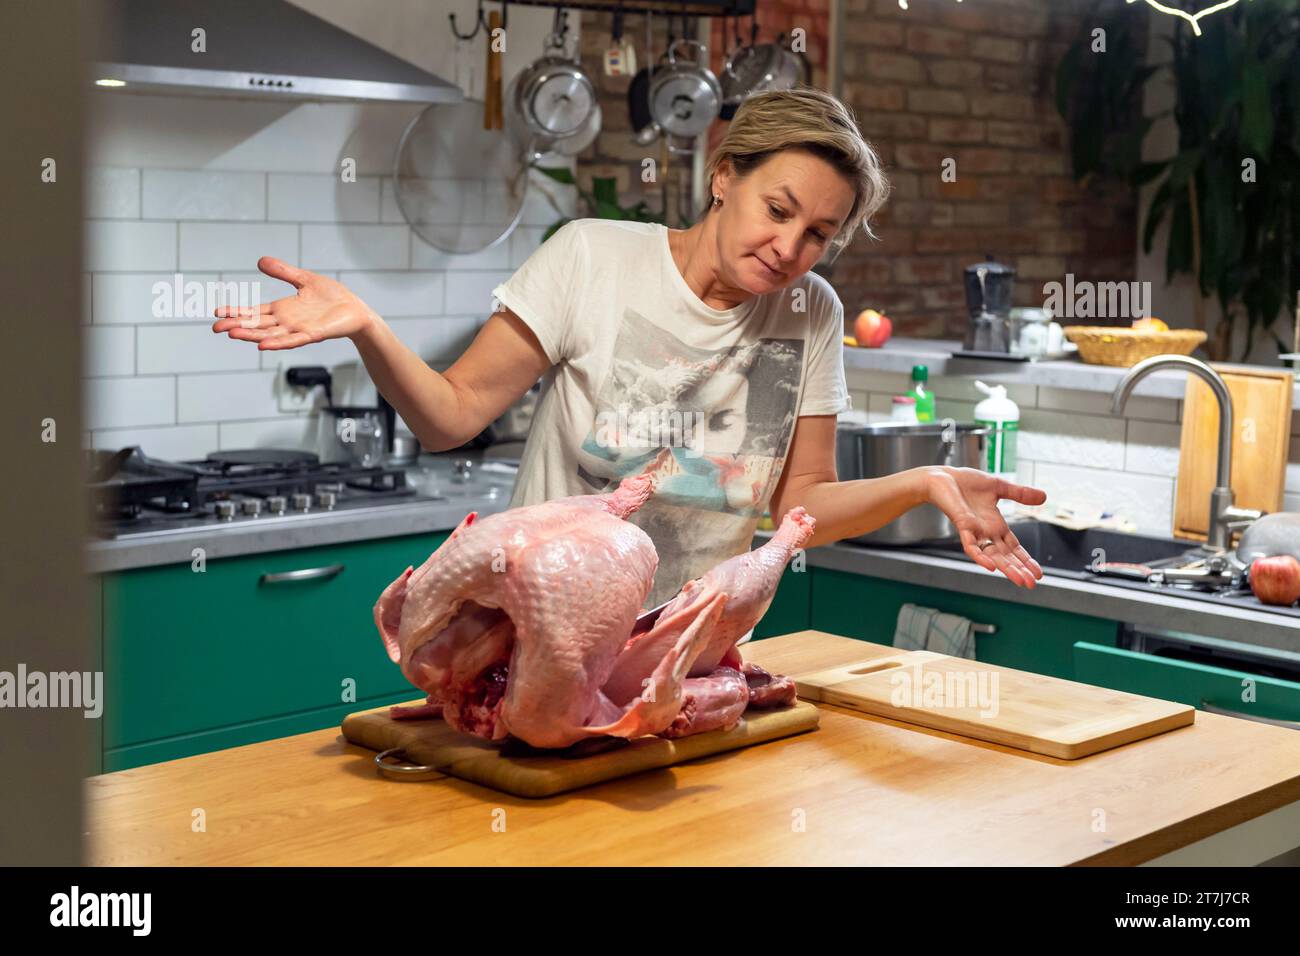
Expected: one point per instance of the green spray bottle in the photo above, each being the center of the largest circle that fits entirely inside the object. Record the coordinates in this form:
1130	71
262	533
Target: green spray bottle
924	397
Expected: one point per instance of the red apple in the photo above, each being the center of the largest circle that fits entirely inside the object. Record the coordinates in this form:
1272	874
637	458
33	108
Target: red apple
1276	579
872	329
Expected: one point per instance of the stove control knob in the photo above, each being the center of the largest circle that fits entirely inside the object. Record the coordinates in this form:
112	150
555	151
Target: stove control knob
225	510
252	507
301	502
275	504
327	499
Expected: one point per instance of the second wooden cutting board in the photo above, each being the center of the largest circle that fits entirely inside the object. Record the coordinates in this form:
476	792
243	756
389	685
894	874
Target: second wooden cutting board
1045	715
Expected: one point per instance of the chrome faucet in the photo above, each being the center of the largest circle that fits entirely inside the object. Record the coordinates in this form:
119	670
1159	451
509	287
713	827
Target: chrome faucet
1224	515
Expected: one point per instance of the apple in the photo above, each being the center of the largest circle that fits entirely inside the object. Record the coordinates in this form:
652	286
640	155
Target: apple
1276	579
872	329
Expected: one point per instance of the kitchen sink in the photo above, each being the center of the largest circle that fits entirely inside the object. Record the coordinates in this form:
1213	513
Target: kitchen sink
1063	549
1068	553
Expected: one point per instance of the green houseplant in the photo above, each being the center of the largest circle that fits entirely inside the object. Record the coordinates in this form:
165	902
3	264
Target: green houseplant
602	202
1231	188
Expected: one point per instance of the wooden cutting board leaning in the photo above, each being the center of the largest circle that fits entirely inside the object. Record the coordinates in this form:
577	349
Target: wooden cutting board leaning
433	743
1261	425
1044	715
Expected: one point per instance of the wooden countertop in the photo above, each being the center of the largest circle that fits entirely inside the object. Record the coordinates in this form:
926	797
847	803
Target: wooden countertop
867	790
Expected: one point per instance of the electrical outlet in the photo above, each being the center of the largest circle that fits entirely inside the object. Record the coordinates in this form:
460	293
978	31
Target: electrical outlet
290	399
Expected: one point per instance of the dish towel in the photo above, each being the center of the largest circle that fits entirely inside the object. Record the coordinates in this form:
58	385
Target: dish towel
927	629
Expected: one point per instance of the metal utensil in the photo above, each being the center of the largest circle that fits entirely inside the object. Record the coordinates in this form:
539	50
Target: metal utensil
646	619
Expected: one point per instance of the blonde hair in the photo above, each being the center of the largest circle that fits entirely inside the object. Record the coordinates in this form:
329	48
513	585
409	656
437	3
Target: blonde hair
810	119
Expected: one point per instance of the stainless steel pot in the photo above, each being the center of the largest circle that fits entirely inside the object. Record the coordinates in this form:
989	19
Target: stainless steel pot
884	448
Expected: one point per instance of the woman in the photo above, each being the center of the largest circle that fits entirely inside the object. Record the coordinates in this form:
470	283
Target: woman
710	357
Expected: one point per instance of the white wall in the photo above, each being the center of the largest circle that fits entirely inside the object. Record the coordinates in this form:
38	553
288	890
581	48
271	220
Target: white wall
205	186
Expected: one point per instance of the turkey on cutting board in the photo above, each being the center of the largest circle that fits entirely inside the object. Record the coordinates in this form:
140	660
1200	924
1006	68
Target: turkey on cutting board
521	625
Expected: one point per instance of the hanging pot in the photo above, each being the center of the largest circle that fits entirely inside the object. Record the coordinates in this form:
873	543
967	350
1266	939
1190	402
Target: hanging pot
685	96
554	97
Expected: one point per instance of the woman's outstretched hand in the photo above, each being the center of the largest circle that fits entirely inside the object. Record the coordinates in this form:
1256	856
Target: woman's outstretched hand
969	497
321	309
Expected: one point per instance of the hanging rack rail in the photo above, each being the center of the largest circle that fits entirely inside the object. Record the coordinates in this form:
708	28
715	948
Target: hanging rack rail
703	8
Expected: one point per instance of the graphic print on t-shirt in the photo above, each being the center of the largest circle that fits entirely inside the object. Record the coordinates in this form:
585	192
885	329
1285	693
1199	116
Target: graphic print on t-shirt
711	425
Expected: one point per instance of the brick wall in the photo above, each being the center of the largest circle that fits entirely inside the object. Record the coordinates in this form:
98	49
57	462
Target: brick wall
971	82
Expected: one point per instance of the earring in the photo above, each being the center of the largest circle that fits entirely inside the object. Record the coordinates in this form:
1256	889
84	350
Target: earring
717	200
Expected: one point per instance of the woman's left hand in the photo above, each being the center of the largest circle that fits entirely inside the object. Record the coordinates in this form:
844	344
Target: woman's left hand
969	497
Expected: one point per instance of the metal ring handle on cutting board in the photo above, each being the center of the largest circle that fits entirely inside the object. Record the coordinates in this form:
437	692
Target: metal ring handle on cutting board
410	769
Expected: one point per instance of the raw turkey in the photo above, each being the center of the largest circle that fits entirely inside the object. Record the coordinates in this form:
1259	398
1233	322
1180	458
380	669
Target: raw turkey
521	625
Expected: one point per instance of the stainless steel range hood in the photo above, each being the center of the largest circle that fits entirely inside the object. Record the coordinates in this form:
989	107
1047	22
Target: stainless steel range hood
254	48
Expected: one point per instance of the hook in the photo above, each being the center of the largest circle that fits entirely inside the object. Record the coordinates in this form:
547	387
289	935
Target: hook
481	21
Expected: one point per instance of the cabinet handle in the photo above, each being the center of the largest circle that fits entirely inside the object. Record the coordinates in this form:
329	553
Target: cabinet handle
984	628
1276	722
305	574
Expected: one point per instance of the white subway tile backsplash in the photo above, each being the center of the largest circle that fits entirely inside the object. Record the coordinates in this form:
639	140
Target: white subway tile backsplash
398	293
470	293
298	432
192	348
119	245
235	247
129	402
112	192
1293	467
142	298
890	383
425	256
302	197
203	194
439	341
1291	502
1072	439
330	353
330	246
1098	403
87	300
108	350
389	211
1152	448
963	389
222	396
1145	500
175	443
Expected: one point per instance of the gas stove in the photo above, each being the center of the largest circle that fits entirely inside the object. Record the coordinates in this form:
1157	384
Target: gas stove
133	494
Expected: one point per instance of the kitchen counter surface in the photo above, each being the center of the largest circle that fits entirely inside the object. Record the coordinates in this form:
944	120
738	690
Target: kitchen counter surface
1153	607
866	790
900	354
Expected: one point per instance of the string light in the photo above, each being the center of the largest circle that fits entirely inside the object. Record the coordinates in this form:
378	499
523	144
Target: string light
1192	18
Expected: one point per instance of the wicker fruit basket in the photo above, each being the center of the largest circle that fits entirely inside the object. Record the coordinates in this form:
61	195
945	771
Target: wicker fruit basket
1116	345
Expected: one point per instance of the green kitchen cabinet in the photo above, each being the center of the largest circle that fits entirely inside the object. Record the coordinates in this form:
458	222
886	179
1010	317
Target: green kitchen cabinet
95	728
1188	682
197	661
1027	638
791	608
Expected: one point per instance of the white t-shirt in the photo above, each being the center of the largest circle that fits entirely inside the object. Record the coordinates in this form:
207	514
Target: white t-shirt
646	377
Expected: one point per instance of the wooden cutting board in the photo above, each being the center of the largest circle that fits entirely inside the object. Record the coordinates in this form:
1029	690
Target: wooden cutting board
432	742
1261	417
1044	715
